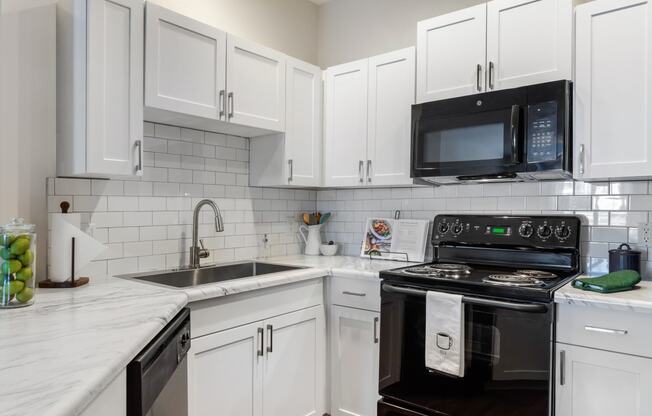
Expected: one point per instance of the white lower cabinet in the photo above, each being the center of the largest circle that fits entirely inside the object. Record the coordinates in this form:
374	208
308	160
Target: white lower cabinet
271	366
593	382
354	361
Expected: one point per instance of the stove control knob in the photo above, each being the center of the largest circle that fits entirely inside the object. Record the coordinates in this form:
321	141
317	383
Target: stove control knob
443	228
525	230
457	229
562	232
544	231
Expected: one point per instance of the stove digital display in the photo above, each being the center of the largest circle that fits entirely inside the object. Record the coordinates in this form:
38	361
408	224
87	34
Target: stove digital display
498	230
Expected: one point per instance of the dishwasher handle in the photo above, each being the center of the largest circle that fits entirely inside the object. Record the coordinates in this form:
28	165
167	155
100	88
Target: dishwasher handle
152	368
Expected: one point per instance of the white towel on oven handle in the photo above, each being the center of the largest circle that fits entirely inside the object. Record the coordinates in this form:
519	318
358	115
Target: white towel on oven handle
445	333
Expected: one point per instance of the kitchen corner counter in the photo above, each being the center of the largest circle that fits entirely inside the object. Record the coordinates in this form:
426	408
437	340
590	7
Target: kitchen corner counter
345	266
637	300
59	354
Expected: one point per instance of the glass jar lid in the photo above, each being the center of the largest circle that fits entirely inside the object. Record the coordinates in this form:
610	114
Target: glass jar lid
17	226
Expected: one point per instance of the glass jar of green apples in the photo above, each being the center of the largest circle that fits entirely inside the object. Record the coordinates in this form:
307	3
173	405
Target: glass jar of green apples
17	263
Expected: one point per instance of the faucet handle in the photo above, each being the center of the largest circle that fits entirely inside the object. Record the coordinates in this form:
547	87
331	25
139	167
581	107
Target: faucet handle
202	252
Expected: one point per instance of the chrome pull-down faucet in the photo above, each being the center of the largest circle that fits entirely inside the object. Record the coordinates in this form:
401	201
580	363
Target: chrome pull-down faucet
197	252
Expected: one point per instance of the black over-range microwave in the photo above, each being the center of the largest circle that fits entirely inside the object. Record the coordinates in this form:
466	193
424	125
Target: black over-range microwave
519	134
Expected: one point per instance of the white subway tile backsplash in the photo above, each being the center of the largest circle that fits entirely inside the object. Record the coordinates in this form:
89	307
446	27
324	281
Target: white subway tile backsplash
122	203
167	132
610	203
104	187
69	186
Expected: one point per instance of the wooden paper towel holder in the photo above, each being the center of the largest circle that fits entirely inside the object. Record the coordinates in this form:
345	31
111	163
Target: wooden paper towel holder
80	281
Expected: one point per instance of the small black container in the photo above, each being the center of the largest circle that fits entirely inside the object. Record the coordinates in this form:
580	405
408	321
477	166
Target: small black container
624	259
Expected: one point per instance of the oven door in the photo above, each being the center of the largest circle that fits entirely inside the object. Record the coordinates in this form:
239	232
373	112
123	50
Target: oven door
481	135
507	360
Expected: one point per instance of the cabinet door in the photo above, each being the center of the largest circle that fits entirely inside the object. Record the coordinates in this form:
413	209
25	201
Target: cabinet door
613	86
303	124
451	51
256	85
185	66
294	374
528	42
391	95
345	123
354	361
601	383
114	80
224	372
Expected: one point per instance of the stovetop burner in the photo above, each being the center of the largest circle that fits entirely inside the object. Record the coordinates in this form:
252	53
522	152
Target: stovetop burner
448	270
513	279
538	274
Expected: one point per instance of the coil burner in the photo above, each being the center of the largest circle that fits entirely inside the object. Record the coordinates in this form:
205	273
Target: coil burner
513	279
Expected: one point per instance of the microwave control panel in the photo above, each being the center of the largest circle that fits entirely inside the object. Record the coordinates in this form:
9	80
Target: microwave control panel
542	132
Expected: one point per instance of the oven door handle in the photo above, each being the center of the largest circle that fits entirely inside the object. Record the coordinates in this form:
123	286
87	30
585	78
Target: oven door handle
520	307
514	127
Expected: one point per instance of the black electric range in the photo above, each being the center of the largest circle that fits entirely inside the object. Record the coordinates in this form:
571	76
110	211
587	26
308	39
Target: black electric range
506	268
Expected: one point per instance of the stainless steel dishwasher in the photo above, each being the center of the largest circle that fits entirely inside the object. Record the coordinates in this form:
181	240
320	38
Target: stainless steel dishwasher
157	379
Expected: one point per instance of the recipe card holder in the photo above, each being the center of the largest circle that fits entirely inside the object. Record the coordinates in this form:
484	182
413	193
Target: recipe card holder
80	281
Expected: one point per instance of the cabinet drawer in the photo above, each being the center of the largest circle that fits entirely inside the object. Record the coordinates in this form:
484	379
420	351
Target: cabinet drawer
620	331
356	293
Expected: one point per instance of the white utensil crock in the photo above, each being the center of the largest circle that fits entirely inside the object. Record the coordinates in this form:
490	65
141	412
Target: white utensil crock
311	235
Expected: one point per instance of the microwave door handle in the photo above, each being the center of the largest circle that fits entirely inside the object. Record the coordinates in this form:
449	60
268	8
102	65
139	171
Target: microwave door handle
514	132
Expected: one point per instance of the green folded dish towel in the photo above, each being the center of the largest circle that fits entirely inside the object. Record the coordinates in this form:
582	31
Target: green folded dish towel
619	281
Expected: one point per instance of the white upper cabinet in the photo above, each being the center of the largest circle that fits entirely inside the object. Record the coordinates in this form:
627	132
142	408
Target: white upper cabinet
497	45
256	85
451	52
345	123
200	77
613	88
100	87
391	95
293	158
367	121
528	42
185	67
303	123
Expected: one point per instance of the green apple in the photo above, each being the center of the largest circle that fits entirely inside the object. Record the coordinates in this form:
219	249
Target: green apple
27	257
24	274
25	295
13	287
7	239
11	266
19	246
5	254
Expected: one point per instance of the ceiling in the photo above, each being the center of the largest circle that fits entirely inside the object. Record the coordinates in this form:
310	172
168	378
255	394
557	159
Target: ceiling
319	2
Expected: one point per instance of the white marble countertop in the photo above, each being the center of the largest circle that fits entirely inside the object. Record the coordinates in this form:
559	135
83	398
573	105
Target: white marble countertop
637	300
59	354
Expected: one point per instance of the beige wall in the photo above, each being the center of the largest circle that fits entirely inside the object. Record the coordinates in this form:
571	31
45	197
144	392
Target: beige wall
355	29
289	26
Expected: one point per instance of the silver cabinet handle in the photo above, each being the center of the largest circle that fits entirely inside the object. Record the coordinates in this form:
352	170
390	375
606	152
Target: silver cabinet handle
290	170
221	103
260	342
139	149
562	367
376	319
368	170
478	73
346	292
582	159
270	347
605	330
360	167
491	75
231	104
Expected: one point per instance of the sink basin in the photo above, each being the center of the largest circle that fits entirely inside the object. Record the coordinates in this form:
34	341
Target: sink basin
211	274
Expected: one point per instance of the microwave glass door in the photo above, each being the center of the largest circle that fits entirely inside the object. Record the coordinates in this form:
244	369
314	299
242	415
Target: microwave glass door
507	362
452	144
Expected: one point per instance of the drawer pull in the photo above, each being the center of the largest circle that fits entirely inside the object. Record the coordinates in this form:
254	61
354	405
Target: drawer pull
346	292
606	330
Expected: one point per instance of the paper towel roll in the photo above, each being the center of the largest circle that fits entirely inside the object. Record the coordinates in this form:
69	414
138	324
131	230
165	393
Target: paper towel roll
86	248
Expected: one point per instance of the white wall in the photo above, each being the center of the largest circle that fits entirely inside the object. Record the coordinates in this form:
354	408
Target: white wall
289	26
27	112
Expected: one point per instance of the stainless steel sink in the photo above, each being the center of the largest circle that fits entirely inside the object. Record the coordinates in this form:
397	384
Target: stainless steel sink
211	274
